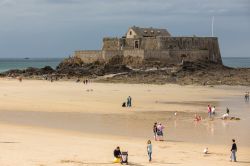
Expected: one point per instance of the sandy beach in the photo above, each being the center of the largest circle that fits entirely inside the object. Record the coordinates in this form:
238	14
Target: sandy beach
67	123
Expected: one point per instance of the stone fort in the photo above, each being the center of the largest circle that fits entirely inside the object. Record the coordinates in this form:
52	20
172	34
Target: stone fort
142	45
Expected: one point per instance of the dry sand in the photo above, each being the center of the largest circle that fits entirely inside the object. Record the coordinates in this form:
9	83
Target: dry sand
68	123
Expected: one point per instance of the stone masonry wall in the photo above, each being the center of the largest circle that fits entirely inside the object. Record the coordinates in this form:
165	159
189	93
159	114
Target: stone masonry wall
195	44
108	54
89	56
111	44
170	50
188	55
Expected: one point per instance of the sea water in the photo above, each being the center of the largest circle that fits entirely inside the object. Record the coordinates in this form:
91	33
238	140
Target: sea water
21	63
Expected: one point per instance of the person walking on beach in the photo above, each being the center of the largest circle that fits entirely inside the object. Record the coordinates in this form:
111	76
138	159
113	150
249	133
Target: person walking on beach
160	128
209	110
129	101
149	150
155	131
233	151
247	96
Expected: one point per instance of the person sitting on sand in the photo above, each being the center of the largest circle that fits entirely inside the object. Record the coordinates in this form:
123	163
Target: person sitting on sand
117	155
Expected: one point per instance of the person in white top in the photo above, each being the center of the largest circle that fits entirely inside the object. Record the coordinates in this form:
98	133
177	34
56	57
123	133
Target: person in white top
213	110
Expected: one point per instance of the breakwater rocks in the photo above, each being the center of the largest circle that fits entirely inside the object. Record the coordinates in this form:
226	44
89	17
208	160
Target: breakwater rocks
199	73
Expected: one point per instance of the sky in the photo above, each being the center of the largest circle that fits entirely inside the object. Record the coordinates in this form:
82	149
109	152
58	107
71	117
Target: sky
56	28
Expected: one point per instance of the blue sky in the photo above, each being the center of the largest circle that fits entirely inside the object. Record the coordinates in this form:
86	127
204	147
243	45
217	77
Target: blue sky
55	28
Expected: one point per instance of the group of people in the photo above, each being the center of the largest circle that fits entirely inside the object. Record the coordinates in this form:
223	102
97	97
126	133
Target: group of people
122	157
128	103
210	110
86	81
158	131
158	134
246	96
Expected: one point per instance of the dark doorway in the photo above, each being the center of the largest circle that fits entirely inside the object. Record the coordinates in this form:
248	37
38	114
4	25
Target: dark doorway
136	44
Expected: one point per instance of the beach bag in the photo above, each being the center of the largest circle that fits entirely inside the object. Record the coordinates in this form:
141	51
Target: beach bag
117	160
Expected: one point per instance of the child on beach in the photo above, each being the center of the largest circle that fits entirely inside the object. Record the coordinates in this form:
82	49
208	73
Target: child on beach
149	150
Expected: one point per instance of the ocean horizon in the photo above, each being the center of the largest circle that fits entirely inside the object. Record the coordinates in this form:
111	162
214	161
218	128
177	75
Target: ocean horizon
22	63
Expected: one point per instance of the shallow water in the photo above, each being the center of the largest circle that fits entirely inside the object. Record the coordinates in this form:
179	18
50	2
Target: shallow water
139	124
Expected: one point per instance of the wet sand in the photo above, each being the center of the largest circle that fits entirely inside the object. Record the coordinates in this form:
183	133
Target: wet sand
32	111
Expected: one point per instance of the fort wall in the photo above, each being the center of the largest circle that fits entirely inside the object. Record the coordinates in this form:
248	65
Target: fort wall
111	44
108	54
169	50
89	56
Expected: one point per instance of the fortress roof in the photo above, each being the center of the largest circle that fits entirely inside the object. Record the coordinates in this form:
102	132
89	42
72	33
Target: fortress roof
150	32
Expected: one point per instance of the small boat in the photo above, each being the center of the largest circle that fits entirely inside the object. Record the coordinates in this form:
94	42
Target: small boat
26	58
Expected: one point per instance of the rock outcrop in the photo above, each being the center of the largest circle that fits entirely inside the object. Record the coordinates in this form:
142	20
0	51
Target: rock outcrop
200	72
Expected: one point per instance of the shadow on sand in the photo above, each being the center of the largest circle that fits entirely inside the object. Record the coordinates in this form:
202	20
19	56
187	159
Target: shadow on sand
8	142
244	162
